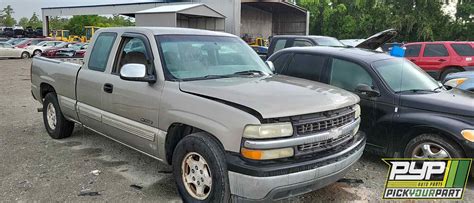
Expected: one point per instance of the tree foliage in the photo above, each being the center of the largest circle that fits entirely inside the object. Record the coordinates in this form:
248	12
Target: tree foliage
416	20
76	24
6	18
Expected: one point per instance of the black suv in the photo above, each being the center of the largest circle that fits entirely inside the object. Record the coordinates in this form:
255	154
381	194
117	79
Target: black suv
404	111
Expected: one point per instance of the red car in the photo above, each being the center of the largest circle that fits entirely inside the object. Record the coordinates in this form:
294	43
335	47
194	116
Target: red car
441	58
32	41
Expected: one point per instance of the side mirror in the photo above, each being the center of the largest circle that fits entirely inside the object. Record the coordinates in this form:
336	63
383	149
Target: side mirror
367	90
270	65
136	72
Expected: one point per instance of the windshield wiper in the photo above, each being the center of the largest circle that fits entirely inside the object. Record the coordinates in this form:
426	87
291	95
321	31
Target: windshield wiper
249	72
207	77
417	90
438	88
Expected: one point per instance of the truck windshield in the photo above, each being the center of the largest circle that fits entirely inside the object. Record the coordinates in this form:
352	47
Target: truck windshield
404	76
192	57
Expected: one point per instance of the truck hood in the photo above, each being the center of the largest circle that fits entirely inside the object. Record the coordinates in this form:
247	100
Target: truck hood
377	40
454	101
273	96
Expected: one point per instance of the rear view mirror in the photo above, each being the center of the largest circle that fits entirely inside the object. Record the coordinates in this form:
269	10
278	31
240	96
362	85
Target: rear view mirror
270	65
367	90
136	72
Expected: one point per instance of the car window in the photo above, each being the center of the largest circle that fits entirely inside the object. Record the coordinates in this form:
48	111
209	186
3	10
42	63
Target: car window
413	50
302	43
279	45
348	75
306	66
329	41
133	50
463	49
435	50
280	62
101	51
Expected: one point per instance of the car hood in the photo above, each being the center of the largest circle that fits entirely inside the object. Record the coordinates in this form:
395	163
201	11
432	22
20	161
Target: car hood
377	40
454	101
273	96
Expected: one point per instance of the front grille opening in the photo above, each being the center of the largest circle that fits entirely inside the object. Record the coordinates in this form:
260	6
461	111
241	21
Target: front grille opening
323	125
325	144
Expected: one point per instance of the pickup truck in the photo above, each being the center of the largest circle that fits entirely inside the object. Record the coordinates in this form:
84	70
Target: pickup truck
205	103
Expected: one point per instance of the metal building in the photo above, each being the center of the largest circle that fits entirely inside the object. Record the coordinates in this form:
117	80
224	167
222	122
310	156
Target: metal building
255	18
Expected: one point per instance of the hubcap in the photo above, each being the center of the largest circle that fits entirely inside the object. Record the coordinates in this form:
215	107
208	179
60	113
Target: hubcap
51	116
430	150
196	176
25	55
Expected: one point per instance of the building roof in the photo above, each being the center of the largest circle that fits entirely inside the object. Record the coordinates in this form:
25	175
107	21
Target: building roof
184	8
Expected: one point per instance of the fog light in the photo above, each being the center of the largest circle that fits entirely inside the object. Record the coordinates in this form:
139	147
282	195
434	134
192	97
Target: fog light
468	135
267	154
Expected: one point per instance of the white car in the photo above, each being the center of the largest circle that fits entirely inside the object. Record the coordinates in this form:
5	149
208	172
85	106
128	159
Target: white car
36	50
9	51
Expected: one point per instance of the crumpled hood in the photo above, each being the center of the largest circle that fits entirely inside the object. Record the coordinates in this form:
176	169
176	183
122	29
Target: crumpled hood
454	101
273	96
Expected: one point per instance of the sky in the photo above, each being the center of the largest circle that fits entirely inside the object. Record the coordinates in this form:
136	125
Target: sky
25	8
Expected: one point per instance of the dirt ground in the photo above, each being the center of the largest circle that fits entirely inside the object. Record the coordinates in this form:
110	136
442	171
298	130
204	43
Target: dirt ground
35	167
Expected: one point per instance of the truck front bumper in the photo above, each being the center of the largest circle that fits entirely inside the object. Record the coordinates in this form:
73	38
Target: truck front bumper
247	184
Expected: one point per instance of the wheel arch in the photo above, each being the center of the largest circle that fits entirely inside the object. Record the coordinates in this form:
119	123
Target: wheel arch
46	88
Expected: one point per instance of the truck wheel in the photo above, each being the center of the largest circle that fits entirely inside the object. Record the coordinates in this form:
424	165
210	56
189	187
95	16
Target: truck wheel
447	72
432	146
37	53
25	55
56	125
200	169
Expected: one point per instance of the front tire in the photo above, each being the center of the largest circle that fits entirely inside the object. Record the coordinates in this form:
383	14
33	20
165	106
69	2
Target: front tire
37	53
25	55
432	146
56	125
200	170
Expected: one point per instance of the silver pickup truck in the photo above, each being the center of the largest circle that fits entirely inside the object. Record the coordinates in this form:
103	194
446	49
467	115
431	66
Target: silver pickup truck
205	103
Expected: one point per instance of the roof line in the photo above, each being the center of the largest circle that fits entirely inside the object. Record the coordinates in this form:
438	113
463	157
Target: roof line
87	6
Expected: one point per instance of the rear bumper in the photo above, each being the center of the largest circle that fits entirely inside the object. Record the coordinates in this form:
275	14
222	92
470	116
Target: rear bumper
311	175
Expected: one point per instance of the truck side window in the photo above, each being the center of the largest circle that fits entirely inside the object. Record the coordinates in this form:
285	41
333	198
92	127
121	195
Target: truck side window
280	44
413	50
306	66
101	51
301	43
280	62
435	50
133	50
348	75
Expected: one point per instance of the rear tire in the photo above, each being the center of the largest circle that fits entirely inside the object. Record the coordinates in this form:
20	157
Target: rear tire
37	53
190	174
447	72
432	146
56	125
25	55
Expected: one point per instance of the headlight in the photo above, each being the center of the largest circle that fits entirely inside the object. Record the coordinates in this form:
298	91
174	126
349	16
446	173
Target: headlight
267	154
455	82
357	111
468	135
264	131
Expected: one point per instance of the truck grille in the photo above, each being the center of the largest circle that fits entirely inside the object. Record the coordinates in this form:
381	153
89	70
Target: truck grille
323	125
323	145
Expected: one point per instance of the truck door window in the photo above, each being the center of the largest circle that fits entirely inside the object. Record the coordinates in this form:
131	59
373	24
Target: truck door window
280	62
348	75
280	44
101	51
301	43
133	50
306	66
413	50
435	50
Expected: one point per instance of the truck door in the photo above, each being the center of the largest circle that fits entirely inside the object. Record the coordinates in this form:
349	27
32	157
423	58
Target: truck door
90	82
131	107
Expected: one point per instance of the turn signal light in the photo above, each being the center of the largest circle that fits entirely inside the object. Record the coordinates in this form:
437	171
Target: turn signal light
468	135
256	154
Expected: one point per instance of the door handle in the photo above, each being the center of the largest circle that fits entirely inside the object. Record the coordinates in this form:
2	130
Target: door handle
109	88
442	60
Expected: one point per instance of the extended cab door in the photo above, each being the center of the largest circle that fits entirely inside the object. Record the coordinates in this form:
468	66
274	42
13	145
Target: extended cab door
90	81
131	107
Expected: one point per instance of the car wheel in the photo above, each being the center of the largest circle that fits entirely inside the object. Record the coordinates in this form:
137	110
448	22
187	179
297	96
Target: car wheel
447	72
200	170
25	55
37	53
432	146
56	125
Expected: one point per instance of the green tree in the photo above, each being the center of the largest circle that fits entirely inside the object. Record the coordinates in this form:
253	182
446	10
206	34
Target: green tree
34	21
57	23
8	20
23	22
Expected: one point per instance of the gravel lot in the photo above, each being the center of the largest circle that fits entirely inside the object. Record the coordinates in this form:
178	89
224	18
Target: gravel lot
35	167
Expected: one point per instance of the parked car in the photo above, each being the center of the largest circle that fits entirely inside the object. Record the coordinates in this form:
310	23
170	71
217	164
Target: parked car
68	50
462	80
15	41
9	51
8	32
36	50
405	112
373	42
31	42
205	103
441	58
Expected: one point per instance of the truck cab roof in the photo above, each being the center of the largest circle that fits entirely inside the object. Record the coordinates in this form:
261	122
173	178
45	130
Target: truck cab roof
166	31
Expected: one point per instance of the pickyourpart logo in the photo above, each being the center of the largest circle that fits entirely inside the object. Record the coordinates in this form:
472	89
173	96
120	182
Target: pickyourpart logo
426	178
